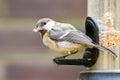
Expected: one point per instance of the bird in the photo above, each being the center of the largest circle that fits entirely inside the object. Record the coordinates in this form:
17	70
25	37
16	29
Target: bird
65	38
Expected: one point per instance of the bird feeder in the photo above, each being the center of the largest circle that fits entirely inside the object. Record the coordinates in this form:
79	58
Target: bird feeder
107	67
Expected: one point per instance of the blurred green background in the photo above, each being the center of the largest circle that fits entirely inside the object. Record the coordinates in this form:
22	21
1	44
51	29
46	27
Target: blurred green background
22	54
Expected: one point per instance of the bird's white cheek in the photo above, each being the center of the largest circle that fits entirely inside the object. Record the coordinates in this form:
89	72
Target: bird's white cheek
49	25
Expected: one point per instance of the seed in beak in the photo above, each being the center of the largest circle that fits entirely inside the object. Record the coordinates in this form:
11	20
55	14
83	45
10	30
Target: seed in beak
35	30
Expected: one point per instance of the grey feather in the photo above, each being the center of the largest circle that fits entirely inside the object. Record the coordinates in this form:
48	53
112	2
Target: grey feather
105	49
74	36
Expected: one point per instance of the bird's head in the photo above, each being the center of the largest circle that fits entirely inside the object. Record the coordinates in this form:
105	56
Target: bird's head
44	25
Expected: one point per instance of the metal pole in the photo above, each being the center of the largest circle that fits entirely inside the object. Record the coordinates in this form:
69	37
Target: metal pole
100	75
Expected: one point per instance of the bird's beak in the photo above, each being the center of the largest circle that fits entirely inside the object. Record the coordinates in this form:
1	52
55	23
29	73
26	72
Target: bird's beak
35	30
38	29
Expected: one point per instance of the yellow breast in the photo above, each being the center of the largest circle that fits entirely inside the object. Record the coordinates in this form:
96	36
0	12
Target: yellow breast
60	46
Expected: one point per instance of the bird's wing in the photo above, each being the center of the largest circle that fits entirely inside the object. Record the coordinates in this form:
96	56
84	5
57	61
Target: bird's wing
74	36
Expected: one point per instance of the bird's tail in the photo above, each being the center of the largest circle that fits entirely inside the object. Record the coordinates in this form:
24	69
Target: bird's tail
105	49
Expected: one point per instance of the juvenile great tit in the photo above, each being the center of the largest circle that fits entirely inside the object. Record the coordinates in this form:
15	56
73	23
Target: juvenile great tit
65	38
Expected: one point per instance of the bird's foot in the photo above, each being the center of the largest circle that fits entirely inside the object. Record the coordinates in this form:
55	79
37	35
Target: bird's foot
63	57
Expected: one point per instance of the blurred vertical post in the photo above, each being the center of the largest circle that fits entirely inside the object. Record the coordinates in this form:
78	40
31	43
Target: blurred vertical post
107	67
96	9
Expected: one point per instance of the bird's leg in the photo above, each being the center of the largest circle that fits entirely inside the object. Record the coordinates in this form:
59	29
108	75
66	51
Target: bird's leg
65	56
57	59
62	57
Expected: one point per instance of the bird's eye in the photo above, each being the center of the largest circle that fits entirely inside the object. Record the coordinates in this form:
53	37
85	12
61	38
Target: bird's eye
44	23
